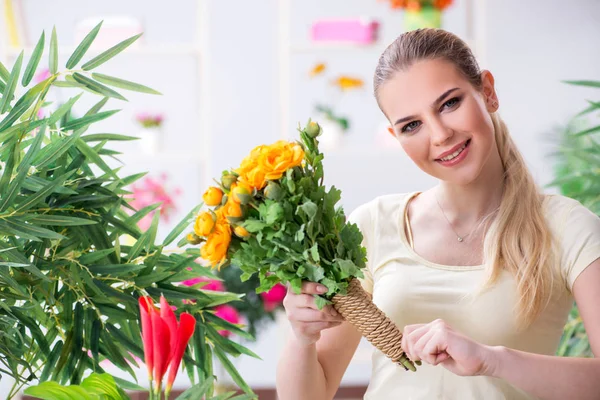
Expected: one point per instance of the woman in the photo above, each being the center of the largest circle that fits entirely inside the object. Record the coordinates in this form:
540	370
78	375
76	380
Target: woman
480	271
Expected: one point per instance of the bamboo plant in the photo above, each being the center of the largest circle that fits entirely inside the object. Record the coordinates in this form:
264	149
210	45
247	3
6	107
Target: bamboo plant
69	288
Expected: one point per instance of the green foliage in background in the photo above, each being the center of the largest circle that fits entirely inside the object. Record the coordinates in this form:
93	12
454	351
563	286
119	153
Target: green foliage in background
577	172
68	287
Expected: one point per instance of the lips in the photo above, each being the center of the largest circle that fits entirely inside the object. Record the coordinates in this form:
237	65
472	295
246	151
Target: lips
460	146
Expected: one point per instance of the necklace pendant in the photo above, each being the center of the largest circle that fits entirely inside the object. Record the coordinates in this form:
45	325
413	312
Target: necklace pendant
459	239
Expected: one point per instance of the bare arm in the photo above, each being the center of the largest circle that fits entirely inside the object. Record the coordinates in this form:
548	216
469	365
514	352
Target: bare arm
317	354
550	377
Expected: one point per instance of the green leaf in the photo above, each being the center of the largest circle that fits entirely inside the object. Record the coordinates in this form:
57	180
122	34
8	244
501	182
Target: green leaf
110	53
21	106
32	200
98	137
97	87
23	169
588	131
230	368
87	120
54	150
54	391
128	385
94	157
103	384
123	84
584	83
95	256
274	213
196	391
59	220
182	226
4	74
51	360
115	269
53	63
34	60
62	110
83	47
25	230
11	85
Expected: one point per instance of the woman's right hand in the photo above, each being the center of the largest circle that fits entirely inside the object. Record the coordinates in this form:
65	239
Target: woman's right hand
306	319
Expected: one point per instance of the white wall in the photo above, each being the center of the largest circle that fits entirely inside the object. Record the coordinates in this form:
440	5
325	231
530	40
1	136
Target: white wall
529	46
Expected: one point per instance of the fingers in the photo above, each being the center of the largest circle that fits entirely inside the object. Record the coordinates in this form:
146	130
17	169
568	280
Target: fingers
426	341
312	315
313	288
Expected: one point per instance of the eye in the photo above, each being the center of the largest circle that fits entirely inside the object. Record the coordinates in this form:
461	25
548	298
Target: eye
452	103
411	126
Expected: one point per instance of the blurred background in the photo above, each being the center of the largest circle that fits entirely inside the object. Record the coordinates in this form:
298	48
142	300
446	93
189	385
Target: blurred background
238	73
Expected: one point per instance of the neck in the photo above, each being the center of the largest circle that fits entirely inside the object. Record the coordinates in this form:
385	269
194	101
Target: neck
466	204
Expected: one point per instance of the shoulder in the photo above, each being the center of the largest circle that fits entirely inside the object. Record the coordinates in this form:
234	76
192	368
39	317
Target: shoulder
562	211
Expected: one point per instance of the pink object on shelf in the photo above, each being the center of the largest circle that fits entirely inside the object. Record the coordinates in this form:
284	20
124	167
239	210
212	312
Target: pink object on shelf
358	31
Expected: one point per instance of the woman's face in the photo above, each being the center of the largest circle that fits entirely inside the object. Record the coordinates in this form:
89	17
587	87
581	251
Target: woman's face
441	120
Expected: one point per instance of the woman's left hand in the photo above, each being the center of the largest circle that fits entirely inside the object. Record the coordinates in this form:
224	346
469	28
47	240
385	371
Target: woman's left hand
437	343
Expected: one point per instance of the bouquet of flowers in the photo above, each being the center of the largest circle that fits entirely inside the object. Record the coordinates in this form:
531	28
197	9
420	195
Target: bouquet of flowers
273	217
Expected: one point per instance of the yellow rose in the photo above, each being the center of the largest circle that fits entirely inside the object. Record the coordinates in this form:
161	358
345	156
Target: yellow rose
254	178
280	157
205	223
232	211
241	192
241	232
213	196
215	248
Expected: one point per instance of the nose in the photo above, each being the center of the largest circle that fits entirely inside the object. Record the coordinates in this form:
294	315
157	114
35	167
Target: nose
439	132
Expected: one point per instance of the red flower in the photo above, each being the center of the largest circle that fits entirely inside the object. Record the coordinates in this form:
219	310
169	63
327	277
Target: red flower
274	297
229	314
164	340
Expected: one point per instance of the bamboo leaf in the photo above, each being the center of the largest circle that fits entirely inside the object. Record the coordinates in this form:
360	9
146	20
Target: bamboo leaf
8	168
53	63
11	85
62	110
196	391
97	137
59	220
115	269
34	60
22	105
182	226
43	193
87	120
584	83
21	228
93	157
51	360
83	47
22	170
110	53
95	256
123	84
54	150
588	131
97	87
33	327
4	74
230	368
35	183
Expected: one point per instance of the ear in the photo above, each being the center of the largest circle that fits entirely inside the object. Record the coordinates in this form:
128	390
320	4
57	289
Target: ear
489	91
391	131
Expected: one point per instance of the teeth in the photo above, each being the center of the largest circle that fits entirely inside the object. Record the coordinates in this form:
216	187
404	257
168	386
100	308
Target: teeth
456	153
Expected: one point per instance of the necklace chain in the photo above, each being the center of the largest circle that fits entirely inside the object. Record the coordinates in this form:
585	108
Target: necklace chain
458	237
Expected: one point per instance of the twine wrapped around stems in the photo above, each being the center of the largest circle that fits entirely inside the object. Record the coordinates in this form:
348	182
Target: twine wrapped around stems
357	307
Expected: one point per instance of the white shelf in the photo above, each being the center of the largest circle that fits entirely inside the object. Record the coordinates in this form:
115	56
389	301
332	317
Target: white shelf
337	47
163	50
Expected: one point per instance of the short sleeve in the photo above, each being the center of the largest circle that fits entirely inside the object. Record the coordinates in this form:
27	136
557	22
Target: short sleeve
580	240
361	216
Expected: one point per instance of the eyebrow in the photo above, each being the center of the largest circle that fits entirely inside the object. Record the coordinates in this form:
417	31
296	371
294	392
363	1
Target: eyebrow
440	98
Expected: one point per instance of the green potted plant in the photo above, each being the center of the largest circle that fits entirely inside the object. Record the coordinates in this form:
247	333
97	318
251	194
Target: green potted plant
69	288
577	172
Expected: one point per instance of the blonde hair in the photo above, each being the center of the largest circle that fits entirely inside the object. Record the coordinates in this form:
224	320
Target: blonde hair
519	239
